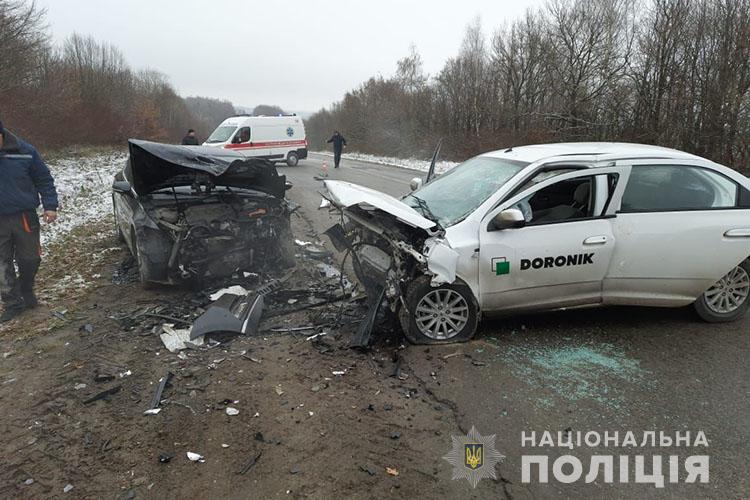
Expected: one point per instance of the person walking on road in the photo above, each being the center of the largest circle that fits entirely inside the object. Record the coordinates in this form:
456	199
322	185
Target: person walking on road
339	143
190	139
25	178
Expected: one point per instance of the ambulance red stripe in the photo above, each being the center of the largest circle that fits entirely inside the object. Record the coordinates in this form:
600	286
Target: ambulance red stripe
269	144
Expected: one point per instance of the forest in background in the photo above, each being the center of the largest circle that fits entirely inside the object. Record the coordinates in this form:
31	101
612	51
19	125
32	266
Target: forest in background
669	72
84	91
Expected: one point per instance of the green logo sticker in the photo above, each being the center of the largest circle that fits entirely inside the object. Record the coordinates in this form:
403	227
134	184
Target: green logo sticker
500	266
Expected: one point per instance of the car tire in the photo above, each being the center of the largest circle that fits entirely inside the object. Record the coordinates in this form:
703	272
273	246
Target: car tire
459	324
286	249
729	299
118	230
142	275
292	159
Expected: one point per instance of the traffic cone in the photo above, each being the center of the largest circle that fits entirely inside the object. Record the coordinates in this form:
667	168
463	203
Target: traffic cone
325	168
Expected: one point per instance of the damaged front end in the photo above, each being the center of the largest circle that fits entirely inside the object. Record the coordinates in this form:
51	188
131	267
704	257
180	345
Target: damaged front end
213	238
391	244
203	217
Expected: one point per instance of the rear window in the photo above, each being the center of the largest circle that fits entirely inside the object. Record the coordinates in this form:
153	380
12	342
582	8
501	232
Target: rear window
221	134
677	187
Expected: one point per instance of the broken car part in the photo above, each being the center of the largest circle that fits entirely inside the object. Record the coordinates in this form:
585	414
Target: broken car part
156	400
253	460
103	395
235	313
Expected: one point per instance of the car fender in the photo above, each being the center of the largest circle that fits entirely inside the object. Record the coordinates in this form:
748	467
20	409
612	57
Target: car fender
442	261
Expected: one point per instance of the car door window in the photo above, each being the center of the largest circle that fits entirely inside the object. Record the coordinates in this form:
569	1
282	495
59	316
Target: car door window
544	175
662	188
242	136
567	200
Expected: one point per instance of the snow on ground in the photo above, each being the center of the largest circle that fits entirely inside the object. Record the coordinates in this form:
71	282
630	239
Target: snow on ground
410	163
84	186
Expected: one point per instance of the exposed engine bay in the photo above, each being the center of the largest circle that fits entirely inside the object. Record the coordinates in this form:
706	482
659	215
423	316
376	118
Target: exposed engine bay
195	214
220	233
386	252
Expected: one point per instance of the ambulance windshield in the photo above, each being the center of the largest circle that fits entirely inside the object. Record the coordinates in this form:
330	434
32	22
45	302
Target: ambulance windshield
454	195
221	134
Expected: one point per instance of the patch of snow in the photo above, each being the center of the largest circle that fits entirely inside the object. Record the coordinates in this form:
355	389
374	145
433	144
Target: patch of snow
411	163
84	186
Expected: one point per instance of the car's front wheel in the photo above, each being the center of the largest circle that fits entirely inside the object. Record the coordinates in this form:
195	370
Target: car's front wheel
729	298
141	263
438	315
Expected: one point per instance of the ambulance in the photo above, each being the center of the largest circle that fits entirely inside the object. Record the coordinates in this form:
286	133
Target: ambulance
276	138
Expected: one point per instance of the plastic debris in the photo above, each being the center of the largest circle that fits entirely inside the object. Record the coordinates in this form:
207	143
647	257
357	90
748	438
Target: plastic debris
368	469
232	411
253	460
156	400
152	411
195	457
78	387
176	340
234	290
104	394
67	488
392	471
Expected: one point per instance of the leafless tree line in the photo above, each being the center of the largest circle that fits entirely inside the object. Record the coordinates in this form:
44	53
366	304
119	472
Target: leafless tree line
667	72
84	92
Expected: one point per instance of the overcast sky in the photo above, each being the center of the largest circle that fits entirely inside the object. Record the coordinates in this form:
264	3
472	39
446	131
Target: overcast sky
299	54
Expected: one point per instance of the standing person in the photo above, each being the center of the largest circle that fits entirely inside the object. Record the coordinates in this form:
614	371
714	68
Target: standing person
338	145
190	139
25	178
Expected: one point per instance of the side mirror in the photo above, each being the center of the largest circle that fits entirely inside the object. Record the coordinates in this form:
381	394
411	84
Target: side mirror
122	187
510	218
415	183
288	186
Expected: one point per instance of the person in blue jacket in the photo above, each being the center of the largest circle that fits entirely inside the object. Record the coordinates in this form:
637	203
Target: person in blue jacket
24	179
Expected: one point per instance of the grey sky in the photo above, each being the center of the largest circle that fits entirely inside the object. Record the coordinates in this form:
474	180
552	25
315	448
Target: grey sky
299	54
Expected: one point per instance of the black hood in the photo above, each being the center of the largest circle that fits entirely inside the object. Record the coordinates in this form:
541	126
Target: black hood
155	166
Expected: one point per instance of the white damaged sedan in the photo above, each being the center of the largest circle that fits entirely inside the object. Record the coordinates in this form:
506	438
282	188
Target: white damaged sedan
553	226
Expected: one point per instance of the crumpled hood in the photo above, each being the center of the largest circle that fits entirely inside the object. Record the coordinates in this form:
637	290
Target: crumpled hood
345	194
155	165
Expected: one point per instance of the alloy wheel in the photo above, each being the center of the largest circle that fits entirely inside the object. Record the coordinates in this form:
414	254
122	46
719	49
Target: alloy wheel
729	293
442	314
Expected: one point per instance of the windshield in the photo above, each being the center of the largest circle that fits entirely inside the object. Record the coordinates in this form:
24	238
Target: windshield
455	194
221	134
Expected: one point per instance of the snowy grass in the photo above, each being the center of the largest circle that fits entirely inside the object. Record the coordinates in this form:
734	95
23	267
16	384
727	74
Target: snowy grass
84	186
409	163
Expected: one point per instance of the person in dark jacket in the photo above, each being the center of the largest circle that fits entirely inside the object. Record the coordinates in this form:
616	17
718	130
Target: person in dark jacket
190	139
24	178
338	146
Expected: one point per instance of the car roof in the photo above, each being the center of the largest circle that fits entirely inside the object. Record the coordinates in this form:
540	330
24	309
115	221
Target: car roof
613	150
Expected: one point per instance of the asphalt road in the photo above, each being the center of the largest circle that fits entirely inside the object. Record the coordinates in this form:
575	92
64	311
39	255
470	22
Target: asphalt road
593	370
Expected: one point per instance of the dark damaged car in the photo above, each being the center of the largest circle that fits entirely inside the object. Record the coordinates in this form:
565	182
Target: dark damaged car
191	214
